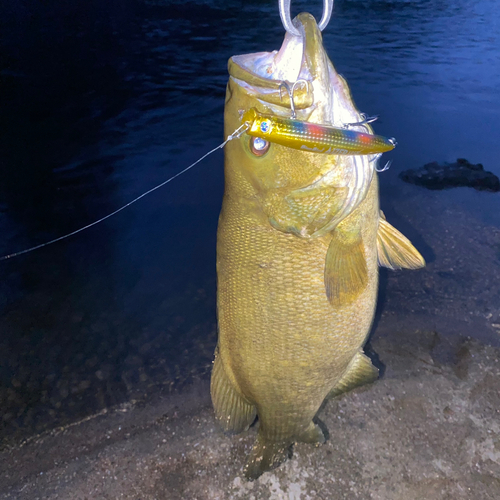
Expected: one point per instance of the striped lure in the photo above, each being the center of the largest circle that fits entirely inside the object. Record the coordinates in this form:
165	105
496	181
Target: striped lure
306	136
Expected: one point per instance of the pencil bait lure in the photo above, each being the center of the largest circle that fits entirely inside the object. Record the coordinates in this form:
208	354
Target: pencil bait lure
313	137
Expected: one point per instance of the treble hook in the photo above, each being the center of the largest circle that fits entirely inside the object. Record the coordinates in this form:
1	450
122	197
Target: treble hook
366	120
387	166
286	18
290	93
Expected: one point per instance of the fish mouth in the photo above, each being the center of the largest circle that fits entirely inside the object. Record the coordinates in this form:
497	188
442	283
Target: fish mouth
324	98
262	74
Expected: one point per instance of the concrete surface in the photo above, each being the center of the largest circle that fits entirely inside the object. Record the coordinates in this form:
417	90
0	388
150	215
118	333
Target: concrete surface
429	429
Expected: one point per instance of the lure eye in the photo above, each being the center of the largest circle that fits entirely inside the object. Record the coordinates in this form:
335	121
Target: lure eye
259	146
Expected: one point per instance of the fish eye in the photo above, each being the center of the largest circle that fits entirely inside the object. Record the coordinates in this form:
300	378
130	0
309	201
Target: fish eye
259	146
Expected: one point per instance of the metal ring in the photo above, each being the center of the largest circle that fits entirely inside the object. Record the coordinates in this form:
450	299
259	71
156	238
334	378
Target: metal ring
287	20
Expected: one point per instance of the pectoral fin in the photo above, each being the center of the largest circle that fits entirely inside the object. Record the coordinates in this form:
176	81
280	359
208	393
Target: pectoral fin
231	410
359	372
395	251
346	273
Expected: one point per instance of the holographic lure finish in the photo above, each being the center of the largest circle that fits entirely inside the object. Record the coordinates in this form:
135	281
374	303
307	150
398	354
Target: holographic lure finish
313	137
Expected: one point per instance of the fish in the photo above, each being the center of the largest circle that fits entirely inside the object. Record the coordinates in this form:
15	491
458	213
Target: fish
299	241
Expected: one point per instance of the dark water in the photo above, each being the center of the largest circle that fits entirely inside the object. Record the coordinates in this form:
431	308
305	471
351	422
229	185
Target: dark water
100	101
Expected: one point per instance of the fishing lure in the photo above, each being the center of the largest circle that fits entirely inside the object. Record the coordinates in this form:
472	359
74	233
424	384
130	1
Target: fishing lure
313	137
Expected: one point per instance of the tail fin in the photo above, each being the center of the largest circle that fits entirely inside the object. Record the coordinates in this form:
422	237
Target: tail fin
265	456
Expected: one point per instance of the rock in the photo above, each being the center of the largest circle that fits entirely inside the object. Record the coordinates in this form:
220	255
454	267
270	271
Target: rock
16	383
83	385
447	175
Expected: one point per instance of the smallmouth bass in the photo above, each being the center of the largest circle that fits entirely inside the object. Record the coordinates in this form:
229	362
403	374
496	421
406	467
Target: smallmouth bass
299	242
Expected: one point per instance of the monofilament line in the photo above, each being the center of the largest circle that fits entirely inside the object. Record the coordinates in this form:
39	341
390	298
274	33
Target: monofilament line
237	133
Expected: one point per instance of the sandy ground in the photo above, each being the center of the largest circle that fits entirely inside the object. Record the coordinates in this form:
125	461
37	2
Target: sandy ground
428	429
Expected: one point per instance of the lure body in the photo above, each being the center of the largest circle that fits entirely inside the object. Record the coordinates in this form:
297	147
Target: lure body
313	137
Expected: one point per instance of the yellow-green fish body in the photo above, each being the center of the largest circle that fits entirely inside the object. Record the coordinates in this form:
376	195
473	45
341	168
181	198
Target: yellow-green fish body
298	249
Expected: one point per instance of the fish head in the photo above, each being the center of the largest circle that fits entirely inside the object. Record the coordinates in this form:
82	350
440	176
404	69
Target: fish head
300	192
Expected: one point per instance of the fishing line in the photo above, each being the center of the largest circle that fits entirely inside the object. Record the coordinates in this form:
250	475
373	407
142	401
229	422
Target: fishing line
235	135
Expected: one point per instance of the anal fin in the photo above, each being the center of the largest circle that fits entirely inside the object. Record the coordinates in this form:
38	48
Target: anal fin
394	250
346	272
359	372
231	410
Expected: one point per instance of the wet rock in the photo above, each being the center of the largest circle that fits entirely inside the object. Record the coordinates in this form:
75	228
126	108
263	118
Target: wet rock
132	360
91	362
447	175
8	416
16	383
81	386
145	348
63	392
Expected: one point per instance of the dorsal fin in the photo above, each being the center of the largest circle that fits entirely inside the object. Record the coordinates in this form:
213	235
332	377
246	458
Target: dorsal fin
395	251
